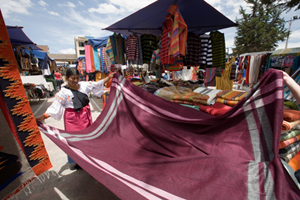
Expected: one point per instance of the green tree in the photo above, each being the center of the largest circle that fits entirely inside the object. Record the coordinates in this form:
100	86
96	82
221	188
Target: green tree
286	4
261	29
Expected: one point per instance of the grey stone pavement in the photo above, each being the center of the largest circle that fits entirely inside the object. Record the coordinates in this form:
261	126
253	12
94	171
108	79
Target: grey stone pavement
61	182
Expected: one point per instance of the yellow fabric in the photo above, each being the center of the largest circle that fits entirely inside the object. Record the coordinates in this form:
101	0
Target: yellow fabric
224	83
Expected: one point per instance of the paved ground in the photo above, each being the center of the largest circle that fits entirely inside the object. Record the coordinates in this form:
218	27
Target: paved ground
60	182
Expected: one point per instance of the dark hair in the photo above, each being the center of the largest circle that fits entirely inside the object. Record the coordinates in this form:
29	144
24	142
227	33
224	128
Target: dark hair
71	71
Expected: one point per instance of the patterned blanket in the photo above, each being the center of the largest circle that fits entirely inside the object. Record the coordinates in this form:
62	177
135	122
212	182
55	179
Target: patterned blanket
22	151
145	147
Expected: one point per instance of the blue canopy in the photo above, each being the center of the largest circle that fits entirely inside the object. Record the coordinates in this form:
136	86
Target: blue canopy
17	36
199	16
79	58
98	42
40	54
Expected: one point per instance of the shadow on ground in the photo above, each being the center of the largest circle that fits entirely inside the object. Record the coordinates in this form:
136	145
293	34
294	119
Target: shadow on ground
77	185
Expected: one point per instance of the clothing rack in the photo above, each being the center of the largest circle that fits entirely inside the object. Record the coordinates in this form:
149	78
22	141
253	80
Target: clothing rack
256	53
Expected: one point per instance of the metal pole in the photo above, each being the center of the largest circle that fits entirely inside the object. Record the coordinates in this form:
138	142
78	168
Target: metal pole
287	39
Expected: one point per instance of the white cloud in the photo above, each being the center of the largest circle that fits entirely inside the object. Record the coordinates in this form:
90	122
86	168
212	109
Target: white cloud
69	4
67	51
53	13
15	6
131	5
81	3
104	8
42	3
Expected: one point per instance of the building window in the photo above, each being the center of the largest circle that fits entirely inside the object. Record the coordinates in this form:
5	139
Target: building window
81	44
81	52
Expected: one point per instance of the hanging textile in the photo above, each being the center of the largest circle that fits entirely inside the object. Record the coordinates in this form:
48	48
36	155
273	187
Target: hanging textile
224	83
80	66
247	64
210	77
115	48
149	44
132	51
96	59
179	33
89	59
218	49
219	156
174	37
206	51
193	53
22	151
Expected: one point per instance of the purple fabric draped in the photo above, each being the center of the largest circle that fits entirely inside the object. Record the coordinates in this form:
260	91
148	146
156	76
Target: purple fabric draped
144	147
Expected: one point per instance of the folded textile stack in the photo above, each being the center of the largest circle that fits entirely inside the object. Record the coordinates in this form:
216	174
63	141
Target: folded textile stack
289	146
216	109
210	92
230	97
191	98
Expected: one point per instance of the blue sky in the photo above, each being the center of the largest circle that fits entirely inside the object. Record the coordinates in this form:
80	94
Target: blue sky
55	23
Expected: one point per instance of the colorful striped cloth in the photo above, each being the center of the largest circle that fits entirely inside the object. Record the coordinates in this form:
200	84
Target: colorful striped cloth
291	115
210	92
96	59
231	95
210	77
295	162
289	151
289	125
218	49
289	141
103	59
216	109
23	155
109	50
89	59
179	33
191	97
289	134
291	155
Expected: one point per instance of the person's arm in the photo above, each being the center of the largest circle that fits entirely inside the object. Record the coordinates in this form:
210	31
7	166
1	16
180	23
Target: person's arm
55	110
105	80
292	85
42	117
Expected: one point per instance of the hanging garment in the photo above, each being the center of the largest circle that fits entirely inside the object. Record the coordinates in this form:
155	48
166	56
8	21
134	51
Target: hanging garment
115	48
206	51
155	61
149	44
193	52
174	37
165	41
132	50
237	151
178	34
218	49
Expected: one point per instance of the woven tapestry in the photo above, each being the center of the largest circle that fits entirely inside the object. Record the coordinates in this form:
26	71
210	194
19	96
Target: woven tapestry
22	151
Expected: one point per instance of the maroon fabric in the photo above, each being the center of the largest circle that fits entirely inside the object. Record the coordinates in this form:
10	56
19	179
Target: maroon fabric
145	147
216	109
77	121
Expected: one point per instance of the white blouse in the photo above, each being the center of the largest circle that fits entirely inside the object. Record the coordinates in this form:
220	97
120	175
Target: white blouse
63	99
